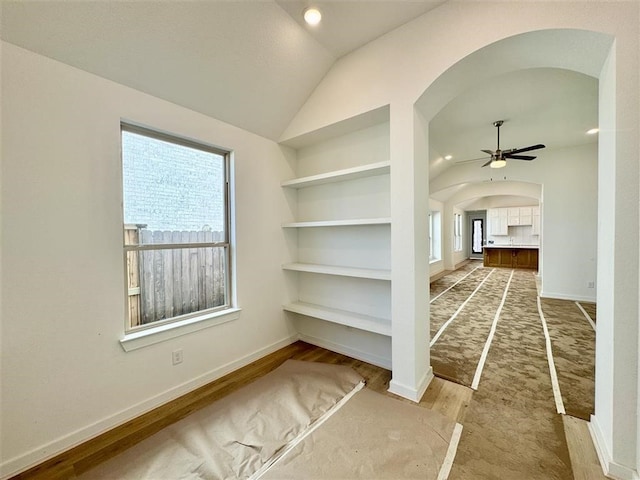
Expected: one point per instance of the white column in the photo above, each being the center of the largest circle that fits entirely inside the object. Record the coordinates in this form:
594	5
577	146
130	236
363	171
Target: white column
615	432
411	372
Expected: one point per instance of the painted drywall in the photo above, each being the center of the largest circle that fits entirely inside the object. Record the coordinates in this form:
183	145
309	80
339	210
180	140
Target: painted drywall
398	67
65	376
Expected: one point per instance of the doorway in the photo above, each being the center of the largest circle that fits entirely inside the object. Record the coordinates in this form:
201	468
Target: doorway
478	235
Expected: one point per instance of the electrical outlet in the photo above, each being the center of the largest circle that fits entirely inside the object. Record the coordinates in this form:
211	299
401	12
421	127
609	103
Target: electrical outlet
176	356
591	285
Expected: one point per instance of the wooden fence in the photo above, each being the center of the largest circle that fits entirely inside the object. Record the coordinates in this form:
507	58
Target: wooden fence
170	282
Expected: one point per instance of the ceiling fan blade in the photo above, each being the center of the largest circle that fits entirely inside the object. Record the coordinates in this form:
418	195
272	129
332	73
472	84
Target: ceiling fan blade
526	149
520	157
488	163
489	152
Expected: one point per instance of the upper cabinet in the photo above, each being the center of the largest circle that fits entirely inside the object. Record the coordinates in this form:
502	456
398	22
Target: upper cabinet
519	216
500	219
535	220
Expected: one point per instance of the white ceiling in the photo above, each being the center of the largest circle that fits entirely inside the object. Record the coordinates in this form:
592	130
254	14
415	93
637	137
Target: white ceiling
254	63
543	105
249	63
348	24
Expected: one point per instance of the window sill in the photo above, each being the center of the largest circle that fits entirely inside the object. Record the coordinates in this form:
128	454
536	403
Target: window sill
151	336
434	260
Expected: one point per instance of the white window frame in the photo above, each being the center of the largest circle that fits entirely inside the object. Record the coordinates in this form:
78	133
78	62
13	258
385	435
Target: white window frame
158	331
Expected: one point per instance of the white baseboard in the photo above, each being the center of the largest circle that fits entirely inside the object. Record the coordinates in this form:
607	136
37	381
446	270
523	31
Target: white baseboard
563	296
610	468
411	393
368	357
38	455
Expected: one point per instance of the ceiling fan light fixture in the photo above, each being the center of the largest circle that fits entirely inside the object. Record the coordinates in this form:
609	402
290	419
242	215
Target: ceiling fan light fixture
498	163
312	16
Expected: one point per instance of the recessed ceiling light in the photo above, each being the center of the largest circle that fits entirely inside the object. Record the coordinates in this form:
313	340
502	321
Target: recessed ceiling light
312	16
593	131
448	157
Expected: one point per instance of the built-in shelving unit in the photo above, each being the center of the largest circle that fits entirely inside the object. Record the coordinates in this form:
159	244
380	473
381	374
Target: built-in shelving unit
343	229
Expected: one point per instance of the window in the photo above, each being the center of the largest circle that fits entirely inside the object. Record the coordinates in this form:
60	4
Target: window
176	228
434	236
430	236
457	232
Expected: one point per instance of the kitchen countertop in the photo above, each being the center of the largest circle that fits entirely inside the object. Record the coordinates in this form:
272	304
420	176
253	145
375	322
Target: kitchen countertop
511	246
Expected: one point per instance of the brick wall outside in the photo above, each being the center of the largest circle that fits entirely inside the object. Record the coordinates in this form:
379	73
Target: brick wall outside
171	187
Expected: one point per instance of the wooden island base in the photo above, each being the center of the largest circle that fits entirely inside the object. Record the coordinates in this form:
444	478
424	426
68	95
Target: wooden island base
511	257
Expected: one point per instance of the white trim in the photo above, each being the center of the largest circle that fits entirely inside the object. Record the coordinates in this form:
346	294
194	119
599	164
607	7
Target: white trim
565	296
413	394
610	468
557	395
445	469
487	344
587	316
49	450
445	291
167	331
452	318
376	360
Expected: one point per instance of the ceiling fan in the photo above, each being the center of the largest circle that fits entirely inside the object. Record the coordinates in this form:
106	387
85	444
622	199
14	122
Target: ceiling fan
498	157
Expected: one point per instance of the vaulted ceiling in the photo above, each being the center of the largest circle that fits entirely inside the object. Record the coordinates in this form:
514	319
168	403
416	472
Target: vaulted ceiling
253	64
248	63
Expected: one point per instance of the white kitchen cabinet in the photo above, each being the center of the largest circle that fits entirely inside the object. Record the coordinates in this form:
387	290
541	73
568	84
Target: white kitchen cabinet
498	221
513	216
525	216
535	220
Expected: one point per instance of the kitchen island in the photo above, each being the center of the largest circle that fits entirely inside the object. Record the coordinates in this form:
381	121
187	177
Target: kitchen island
511	256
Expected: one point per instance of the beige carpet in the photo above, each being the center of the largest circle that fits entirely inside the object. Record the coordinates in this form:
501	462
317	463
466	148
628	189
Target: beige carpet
511	428
456	353
303	420
573	342
438	286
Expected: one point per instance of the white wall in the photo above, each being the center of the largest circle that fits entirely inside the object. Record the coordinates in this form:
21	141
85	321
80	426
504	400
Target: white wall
65	376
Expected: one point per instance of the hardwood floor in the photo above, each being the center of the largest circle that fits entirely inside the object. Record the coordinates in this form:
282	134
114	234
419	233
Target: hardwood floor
448	398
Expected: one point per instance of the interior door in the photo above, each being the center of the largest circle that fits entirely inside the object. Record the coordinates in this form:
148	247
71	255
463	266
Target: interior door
477	233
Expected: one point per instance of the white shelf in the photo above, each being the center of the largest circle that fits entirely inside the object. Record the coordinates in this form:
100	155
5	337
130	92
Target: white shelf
363	171
349	125
377	325
340	223
339	271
